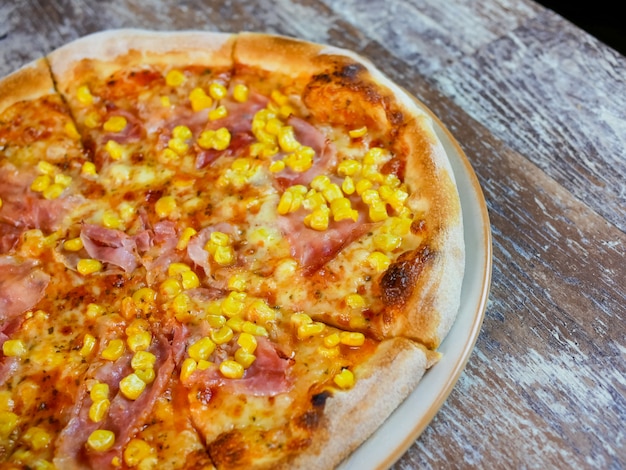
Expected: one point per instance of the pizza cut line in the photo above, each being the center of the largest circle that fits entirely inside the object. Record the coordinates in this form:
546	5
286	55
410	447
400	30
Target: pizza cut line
216	251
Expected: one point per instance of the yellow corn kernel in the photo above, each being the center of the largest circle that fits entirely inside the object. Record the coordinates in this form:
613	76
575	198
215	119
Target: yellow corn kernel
347	186
234	304
181	305
41	183
277	166
306	330
313	200
114	350
363	186
235	323
169	156
89	343
147	375
349	168
144	298
92	120
370	196
318	219
88	169
98	410
244	358
352	338
301	159
199	99
355	301
138	325
6	401
274	126
260	312
378	212
63	180
70	130
165	206
47	168
300	318
99	391
223	335
217	91
399	226
375	156
187	368
176	268
37	438
387	241
171	287
139	341
165	101
137	450
182	132
115	150
289	202
218	113
175	78
358	321
201	349
341	209
111	219
183	241
218	139
179	146
332	340
231	369
73	244
94	310
279	98
254	329
143	360
247	342
132	386
215	321
84	96
237	282
356	133
115	124
371	173
101	440
240	93
379	261
224	255
328	352
8	423
88	266
320	182
53	191
344	379
287	139
190	280
14	348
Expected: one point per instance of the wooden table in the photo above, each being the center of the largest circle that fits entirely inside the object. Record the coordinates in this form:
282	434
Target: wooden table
539	107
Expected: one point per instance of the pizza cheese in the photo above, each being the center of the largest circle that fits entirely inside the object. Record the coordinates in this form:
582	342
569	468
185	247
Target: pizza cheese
216	251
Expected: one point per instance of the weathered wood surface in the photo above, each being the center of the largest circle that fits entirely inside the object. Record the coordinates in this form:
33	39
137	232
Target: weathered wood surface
540	109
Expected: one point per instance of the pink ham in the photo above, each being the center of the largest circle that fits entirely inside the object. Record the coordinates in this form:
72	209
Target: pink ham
22	285
110	246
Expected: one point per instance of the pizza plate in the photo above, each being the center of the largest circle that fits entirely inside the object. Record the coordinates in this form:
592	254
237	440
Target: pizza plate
410	419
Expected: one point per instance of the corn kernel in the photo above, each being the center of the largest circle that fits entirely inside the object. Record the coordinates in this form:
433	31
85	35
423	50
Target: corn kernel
190	280
234	304
139	341
254	329
165	206
182	132
73	244
144	298
53	191
301	159
313	200
89	343
187	368
136	451
179	146
101	440
347	186
274	126
8	423
92	120
235	323
217	91
88	266
176	268
84	96
277	166
47	168
300	318
114	350
201	349
188	232
165	101
223	335
115	124
37	438
215	321
94	310
111	219
6	401
356	133
199	99
115	150
143	360
260	312
231	369
14	348
175	78
278	97
344	379
363	185
98	410
181	304
40	183
70	130
378	212
341	209
332	340
88	169
218	113
147	375
240	93
99	391
224	255
244	358
306	330
204	365
247	342
352	338
328	352
318	219
387	241
287	139
132	386
355	301
379	261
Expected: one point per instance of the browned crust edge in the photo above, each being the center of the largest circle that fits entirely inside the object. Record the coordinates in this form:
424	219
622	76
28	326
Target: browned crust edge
30	82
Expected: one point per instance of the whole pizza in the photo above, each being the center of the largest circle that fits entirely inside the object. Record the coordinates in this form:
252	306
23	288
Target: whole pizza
231	251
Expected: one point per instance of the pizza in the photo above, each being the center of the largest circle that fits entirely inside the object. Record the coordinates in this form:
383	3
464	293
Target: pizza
216	251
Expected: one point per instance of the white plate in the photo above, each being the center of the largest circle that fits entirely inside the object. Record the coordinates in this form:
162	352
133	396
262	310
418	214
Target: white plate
410	419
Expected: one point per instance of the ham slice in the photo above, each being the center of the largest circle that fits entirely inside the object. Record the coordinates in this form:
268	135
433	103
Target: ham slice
22	285
110	246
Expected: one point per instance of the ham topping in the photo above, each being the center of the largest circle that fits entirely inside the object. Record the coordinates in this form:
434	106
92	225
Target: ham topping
110	246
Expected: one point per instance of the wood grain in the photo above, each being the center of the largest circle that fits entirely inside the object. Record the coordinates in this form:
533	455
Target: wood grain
540	109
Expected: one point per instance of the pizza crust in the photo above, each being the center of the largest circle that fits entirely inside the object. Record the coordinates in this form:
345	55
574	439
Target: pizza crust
29	83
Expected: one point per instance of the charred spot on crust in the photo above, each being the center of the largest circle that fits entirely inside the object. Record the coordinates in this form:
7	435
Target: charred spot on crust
228	450
319	399
399	280
349	72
